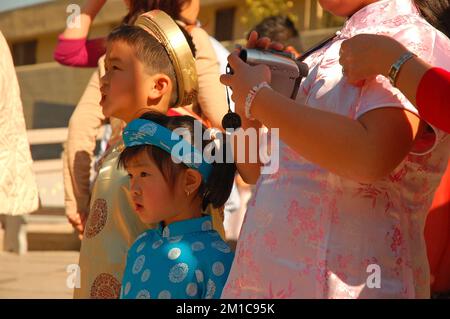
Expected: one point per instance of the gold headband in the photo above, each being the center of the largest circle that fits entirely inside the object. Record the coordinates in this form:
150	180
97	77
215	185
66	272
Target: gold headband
168	33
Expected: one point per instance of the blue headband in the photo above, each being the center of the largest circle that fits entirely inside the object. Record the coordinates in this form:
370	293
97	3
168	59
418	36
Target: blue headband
146	132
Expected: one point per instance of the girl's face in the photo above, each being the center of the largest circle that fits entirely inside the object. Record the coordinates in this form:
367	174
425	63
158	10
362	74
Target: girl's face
344	8
154	200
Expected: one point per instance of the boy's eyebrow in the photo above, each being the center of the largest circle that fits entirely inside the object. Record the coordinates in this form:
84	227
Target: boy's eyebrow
114	59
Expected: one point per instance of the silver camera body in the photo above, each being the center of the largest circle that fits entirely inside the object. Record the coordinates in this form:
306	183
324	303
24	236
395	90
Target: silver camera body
287	72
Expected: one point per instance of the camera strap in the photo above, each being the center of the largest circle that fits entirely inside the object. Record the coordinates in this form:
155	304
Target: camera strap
303	67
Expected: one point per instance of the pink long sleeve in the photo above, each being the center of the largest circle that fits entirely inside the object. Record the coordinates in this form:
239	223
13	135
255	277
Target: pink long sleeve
79	52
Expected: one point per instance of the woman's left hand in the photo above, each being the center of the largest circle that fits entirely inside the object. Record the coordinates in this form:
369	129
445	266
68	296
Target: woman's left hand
243	79
366	55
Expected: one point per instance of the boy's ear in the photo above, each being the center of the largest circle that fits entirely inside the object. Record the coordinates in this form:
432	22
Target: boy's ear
192	180
160	85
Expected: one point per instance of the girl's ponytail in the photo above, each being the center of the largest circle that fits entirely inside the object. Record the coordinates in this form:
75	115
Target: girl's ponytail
218	187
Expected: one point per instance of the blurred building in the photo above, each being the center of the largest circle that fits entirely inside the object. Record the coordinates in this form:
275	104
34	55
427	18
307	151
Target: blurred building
32	35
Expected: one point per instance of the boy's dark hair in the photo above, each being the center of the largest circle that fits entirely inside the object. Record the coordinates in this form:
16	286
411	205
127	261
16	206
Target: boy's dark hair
280	29
150	52
138	7
218	187
437	13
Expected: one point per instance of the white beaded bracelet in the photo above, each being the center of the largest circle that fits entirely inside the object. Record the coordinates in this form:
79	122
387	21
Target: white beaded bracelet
251	96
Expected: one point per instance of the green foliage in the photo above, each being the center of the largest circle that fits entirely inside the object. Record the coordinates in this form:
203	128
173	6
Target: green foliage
257	10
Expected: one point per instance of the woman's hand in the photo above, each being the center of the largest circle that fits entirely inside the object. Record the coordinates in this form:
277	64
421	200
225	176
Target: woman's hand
244	76
243	79
367	55
254	42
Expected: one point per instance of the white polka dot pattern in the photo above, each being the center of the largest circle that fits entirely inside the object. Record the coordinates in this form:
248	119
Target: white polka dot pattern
178	272
145	275
199	275
206	225
174	253
138	264
218	269
197	246
143	294
157	244
165	294
140	247
221	246
176	239
210	289
127	288
141	236
191	289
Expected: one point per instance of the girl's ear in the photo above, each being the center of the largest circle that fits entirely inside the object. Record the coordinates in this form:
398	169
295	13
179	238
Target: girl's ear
160	85
192	181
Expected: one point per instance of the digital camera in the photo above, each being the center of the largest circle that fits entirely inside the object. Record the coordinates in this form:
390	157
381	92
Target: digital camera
287	72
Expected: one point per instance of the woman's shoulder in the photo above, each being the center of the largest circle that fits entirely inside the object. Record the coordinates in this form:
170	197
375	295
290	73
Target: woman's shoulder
197	32
200	38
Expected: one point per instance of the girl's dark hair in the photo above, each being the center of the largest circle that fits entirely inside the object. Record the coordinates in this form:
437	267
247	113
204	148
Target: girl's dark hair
220	182
138	7
437	13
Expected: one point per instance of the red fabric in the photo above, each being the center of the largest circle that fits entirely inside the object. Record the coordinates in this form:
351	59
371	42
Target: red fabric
437	236
433	98
433	103
79	52
173	112
181	111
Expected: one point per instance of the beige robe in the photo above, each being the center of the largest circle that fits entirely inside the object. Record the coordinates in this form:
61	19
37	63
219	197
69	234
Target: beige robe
18	188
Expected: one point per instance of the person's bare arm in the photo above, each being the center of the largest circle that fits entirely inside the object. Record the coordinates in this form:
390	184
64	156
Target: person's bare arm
363	150
89	11
84	126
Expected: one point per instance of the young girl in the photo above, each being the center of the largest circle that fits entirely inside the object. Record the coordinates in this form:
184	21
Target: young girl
184	257
344	215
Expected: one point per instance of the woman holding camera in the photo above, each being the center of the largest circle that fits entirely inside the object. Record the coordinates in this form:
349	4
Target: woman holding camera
357	174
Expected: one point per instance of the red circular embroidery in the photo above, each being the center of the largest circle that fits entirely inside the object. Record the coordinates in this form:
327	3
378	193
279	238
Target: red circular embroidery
105	286
97	218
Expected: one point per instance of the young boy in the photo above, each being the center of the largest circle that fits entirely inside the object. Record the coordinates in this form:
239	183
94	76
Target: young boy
142	74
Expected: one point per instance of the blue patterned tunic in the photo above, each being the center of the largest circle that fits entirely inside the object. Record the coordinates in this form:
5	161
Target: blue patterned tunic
184	260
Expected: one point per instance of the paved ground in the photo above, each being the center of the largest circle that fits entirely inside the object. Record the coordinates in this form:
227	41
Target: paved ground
36	275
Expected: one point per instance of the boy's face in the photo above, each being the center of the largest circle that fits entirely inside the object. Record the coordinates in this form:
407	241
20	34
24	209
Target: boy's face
126	87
